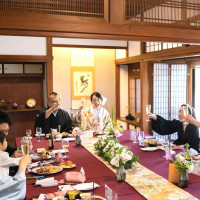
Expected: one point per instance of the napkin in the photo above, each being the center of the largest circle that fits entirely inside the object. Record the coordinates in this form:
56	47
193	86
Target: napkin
33	164
86	186
173	176
47	182
193	152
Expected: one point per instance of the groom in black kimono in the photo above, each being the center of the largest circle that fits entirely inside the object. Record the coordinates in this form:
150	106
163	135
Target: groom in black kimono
53	116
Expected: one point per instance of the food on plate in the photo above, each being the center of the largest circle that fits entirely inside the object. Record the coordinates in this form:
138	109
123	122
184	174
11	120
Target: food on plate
69	163
48	164
48	169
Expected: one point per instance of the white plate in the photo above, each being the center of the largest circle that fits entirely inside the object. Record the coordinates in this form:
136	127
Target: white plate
61	150
35	157
69	139
85	186
149	137
65	187
149	149
42	134
34	170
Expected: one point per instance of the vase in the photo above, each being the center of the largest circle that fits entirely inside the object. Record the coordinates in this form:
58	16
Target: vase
121	174
128	165
183	179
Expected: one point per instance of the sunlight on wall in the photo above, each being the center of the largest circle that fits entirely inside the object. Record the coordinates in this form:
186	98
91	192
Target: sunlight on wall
120	53
85	57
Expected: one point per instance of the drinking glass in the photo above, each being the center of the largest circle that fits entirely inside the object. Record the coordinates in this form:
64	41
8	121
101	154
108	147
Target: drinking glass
65	146
25	146
133	135
38	132
185	113
141	138
28	132
165	144
148	110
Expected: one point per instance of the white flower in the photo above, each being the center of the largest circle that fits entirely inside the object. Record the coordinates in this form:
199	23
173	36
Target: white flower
190	168
180	158
115	161
74	132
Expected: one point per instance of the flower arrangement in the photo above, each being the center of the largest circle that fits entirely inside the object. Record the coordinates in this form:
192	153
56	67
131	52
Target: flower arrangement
183	162
115	129
77	131
115	153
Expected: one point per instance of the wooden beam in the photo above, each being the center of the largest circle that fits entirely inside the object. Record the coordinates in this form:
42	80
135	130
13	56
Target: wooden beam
49	67
117	90
24	58
144	95
57	26
179	52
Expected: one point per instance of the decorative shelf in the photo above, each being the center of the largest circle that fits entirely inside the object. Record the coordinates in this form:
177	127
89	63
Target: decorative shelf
23	110
132	122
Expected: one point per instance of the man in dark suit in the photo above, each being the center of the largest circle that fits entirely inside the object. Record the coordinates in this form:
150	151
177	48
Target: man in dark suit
53	117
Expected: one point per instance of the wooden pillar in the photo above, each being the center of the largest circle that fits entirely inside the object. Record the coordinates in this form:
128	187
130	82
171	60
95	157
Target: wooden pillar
49	67
117	11
144	95
117	90
189	83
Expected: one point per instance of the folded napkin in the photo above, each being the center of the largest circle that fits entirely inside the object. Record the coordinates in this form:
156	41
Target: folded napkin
47	182
73	177
86	186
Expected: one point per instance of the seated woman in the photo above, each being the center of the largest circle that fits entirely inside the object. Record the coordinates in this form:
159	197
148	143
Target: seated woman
95	117
12	187
187	133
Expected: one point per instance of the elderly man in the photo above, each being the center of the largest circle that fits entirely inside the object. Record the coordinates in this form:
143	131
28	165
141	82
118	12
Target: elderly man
5	123
53	116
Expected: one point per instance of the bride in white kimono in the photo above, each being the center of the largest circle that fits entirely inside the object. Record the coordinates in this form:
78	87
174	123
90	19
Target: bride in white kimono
94	117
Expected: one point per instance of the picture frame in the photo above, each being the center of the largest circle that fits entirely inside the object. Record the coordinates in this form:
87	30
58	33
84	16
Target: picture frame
82	82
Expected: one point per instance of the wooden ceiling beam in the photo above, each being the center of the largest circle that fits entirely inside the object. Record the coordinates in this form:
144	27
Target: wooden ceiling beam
179	52
99	29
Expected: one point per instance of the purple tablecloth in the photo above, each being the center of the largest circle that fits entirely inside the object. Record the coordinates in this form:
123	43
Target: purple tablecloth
97	172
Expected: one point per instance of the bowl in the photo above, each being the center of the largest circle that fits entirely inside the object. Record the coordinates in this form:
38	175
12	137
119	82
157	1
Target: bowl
76	192
152	143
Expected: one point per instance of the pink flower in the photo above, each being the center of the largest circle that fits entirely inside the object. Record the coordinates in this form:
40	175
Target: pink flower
116	133
79	132
102	142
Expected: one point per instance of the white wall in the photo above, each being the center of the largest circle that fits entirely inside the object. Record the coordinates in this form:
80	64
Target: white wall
133	48
89	42
20	45
123	90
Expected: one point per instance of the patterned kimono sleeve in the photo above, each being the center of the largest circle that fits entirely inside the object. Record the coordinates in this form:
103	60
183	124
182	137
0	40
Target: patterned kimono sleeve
107	121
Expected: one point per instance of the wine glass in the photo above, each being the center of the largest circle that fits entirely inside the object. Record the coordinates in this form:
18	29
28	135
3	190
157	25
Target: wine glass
38	132
28	132
65	146
25	146
148	110
185	112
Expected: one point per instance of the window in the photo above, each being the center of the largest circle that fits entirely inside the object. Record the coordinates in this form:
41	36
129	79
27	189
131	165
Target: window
169	91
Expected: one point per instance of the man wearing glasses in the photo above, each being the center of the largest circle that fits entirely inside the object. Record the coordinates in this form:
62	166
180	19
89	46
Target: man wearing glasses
5	123
52	117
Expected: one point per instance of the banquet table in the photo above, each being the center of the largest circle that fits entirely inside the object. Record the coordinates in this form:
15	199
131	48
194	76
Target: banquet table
98	172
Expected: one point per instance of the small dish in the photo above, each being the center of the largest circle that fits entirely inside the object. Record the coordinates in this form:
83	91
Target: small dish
76	193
